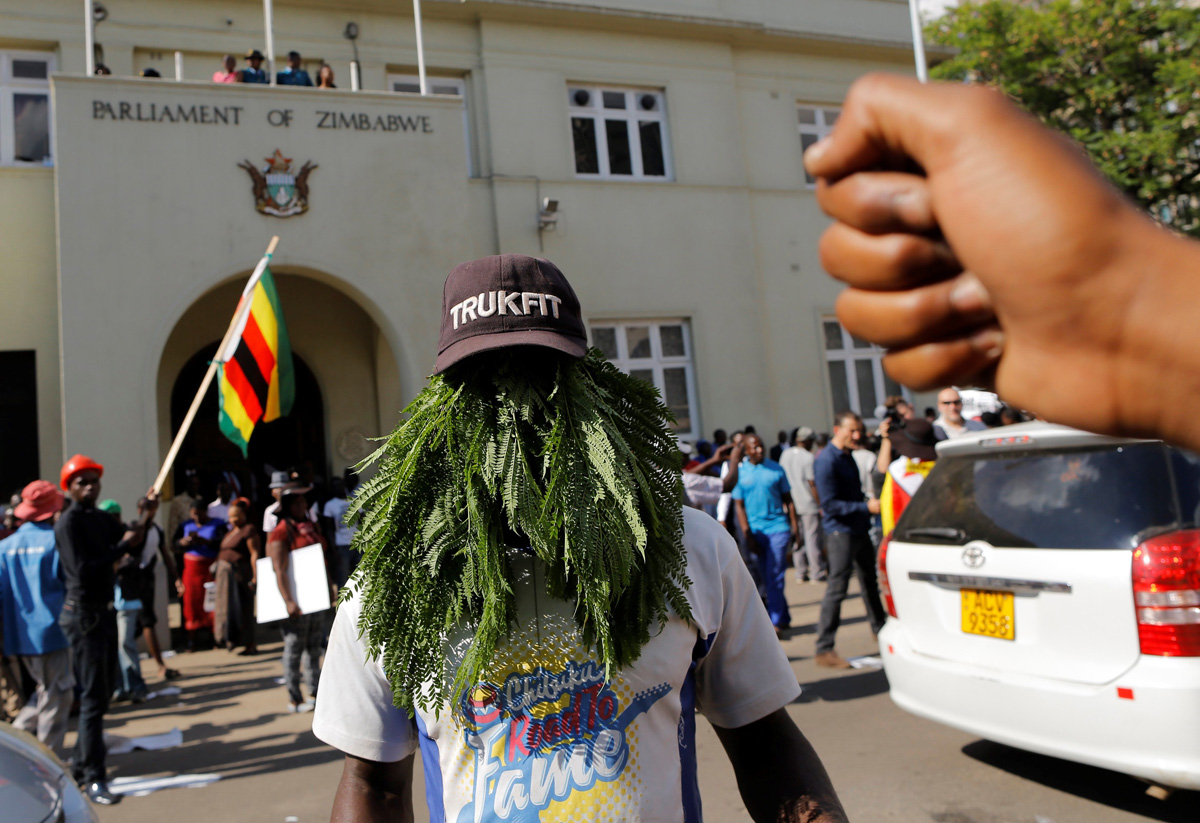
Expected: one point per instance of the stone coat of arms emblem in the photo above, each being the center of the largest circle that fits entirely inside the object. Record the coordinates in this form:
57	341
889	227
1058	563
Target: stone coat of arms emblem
277	190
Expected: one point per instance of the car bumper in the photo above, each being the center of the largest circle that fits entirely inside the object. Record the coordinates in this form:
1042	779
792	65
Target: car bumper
1152	736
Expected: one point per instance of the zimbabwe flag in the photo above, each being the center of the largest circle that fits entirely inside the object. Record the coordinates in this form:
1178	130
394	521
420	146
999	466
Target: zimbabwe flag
256	381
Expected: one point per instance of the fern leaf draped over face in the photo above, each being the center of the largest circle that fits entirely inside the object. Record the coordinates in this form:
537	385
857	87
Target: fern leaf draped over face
573	456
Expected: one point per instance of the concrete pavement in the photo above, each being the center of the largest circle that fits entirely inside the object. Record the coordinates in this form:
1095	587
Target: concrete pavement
887	765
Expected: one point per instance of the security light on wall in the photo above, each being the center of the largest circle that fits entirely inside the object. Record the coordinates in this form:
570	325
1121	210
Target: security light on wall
351	34
548	216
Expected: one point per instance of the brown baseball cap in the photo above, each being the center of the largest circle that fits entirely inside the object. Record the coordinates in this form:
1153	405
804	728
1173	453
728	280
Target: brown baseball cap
508	300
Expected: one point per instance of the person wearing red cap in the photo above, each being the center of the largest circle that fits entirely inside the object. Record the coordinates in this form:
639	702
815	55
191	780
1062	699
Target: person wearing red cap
91	545
31	598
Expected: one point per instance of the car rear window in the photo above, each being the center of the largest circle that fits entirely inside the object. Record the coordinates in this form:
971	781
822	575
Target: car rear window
1097	498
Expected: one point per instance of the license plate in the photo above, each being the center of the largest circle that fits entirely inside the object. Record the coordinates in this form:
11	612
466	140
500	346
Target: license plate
989	614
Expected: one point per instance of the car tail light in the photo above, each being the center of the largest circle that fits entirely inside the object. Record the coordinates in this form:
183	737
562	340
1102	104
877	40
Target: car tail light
885	588
1166	593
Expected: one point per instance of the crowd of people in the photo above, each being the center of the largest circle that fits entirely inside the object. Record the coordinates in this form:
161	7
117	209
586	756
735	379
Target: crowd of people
78	589
292	74
822	502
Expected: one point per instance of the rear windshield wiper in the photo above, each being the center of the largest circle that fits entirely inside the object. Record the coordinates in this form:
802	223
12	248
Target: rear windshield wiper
939	532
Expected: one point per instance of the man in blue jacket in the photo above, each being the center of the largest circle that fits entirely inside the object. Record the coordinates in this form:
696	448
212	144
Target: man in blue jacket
293	75
31	598
846	516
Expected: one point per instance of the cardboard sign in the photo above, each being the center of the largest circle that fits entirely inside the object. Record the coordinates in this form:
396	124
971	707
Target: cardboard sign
310	585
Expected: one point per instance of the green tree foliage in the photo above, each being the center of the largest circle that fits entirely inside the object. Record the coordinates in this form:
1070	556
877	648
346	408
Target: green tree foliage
571	458
1122	77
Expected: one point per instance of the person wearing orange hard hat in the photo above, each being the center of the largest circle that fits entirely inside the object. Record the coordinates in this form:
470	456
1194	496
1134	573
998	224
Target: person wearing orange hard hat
91	545
76	465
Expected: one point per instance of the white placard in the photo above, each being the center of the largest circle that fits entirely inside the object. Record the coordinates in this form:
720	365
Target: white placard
310	585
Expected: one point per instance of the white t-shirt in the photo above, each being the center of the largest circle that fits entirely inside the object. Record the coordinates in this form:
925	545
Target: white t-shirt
797	463
866	459
702	489
218	510
545	737
335	509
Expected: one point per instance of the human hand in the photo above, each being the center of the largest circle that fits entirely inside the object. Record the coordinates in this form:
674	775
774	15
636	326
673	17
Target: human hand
873	506
293	609
179	587
1010	261
885	425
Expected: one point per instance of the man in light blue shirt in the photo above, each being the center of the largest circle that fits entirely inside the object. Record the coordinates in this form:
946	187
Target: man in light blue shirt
763	501
31	598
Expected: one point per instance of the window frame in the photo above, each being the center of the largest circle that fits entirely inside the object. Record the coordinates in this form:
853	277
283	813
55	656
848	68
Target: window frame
459	82
818	129
11	86
598	114
848	355
657	361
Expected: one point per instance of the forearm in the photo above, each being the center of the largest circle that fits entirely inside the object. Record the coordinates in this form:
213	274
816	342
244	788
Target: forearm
358	801
885	455
780	777
1158	372
739	511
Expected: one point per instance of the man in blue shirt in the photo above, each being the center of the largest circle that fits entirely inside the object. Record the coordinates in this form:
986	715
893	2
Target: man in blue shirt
293	75
846	516
31	598
763	502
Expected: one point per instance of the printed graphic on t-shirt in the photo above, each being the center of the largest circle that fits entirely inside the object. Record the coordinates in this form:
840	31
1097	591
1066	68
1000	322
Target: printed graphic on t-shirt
546	739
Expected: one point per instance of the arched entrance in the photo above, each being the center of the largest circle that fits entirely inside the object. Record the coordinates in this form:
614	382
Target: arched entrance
296	441
347	387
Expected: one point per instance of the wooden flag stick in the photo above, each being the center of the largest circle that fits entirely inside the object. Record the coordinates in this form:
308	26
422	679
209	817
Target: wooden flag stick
243	307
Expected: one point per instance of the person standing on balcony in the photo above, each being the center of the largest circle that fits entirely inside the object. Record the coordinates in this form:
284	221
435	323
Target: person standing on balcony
253	72
293	75
228	74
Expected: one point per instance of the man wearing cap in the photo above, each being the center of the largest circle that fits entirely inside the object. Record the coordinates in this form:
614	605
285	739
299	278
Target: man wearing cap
914	441
31	597
809	556
303	634
535	596
271	512
253	72
91	543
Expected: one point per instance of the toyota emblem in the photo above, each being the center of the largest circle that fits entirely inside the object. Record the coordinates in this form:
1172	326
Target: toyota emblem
973	557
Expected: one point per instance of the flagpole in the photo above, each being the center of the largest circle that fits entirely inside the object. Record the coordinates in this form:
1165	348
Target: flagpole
420	48
918	36
269	26
243	308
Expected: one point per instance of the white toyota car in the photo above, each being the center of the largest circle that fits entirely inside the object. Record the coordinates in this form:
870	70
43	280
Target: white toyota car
1043	591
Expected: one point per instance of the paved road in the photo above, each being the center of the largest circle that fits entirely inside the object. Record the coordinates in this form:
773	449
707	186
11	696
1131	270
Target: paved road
887	765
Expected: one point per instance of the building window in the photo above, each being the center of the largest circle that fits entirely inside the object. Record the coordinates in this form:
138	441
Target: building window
25	107
659	352
815	123
411	84
619	134
857	380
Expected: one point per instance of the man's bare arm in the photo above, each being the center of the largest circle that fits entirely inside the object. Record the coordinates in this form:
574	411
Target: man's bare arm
779	774
373	792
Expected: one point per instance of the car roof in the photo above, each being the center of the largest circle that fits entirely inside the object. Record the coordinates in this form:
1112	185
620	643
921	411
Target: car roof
1032	436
